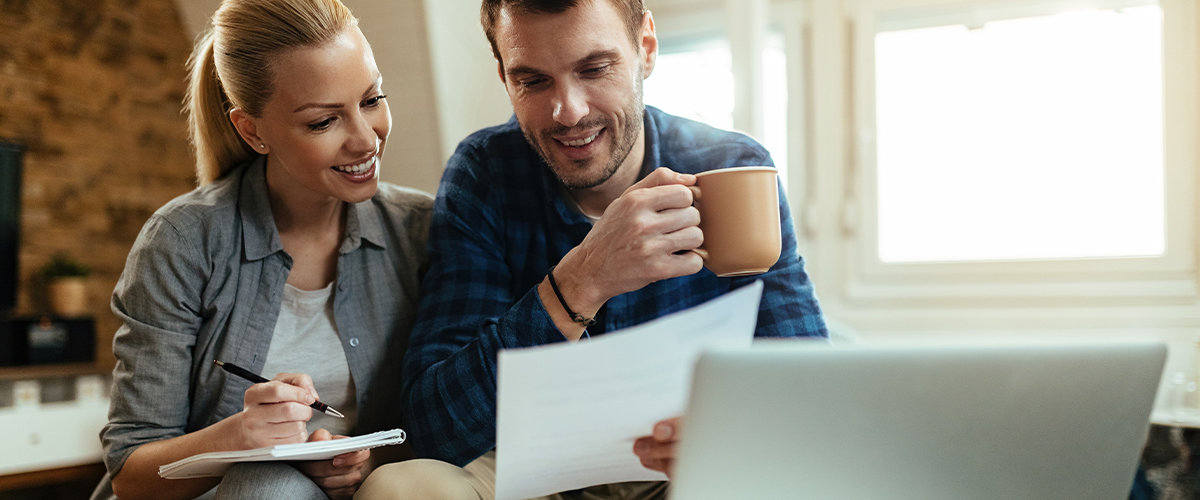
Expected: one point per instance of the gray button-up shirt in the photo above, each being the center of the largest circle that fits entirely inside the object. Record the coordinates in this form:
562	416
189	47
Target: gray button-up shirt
204	281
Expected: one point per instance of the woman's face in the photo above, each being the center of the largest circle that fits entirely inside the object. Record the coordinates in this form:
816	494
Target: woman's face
326	123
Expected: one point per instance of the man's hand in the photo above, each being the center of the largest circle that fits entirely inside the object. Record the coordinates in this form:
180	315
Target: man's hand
277	412
657	451
340	476
642	237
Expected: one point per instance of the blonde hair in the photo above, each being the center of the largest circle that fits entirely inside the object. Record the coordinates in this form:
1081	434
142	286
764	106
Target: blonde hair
230	67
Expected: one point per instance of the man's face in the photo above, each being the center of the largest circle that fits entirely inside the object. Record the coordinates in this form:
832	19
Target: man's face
575	82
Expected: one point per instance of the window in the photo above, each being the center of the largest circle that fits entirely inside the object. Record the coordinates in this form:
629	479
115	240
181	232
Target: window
1028	138
972	164
1015	165
693	78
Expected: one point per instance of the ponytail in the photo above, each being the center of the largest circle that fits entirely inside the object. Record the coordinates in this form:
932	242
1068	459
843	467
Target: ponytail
230	68
216	142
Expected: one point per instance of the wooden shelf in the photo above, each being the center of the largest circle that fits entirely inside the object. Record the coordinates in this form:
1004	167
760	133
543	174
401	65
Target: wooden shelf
50	371
88	474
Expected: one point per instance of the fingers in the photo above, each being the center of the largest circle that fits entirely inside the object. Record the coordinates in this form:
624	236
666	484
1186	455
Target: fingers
349	479
662	190
657	451
274	409
655	455
276	412
667	429
657	211
658	198
269	425
656	207
299	380
340	476
352	458
260	429
276	402
650	449
688	238
320	435
663	466
663	176
277	391
336	470
641	238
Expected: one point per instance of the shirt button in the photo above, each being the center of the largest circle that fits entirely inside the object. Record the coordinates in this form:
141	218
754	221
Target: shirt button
353	341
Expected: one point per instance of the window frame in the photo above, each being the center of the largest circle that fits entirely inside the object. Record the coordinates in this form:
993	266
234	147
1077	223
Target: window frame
684	21
831	190
1097	282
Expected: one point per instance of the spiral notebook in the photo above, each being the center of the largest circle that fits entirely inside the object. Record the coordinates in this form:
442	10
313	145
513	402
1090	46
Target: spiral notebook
217	462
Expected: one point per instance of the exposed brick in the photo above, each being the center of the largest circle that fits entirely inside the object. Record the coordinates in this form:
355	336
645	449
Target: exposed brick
92	88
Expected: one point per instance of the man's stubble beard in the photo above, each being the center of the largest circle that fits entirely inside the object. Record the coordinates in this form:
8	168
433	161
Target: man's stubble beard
621	147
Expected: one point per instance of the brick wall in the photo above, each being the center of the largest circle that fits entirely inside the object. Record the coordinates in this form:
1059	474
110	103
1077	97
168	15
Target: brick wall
92	89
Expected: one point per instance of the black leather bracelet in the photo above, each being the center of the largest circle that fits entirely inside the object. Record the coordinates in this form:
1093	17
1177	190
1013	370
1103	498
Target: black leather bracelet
576	317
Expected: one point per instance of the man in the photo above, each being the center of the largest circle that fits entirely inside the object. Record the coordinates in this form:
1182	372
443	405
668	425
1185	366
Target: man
569	193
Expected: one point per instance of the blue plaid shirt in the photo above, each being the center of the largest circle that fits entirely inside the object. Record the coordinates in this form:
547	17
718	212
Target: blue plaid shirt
499	223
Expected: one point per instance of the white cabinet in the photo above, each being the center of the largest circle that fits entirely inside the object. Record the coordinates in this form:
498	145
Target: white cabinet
47	427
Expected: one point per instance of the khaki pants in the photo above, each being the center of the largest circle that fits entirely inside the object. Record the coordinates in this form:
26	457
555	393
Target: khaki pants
435	480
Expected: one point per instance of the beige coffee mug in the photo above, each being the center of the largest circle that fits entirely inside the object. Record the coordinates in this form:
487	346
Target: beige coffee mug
739	215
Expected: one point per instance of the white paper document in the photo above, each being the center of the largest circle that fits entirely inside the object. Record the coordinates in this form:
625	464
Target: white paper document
567	414
217	462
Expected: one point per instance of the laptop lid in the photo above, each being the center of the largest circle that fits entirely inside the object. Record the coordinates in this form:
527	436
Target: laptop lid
787	419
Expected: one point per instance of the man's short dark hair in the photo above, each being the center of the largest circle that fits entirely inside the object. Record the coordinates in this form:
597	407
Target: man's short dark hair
489	12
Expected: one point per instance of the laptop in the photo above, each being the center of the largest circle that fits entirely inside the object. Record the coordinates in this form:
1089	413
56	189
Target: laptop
787	419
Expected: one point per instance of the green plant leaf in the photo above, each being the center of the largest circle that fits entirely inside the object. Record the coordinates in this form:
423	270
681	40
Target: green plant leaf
62	265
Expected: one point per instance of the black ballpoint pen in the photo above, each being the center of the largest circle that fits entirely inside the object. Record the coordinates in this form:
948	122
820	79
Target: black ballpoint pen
258	379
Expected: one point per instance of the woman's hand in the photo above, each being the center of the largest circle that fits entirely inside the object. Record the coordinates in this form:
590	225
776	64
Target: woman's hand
657	451
274	412
340	476
277	412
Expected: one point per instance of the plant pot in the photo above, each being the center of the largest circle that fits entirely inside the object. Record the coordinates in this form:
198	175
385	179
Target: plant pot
68	297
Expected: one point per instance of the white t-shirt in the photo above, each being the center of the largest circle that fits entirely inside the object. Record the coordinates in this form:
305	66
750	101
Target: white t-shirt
306	341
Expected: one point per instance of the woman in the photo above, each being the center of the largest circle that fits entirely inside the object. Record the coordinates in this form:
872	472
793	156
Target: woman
290	258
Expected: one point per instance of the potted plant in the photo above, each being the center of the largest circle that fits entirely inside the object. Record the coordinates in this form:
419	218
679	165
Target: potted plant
66	285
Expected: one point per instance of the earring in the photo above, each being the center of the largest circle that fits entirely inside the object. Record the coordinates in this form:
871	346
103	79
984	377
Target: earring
262	146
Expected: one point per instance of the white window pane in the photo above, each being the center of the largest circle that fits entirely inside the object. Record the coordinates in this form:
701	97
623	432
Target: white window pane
775	103
695	84
1036	138
696	81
